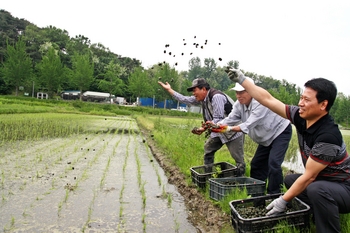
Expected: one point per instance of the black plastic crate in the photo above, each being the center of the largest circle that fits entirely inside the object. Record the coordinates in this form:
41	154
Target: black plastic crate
201	174
219	187
297	215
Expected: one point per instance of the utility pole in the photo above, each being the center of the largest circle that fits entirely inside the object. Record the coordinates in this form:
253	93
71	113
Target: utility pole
33	90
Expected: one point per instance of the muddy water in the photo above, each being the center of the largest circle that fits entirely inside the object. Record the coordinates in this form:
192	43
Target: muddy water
295	163
103	181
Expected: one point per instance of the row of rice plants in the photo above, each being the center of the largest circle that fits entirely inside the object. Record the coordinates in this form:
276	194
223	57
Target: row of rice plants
141	185
121	223
35	126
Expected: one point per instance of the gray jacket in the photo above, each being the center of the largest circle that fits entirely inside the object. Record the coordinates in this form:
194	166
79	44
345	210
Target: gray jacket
260	123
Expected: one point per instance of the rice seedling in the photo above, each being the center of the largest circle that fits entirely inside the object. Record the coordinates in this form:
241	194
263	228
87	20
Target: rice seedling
12	221
90	210
60	204
170	200
25	214
2	178
143	195
66	196
177	225
121	195
164	193
105	172
144	222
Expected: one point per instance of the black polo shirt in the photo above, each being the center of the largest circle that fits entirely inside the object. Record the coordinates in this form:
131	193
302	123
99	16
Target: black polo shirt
323	142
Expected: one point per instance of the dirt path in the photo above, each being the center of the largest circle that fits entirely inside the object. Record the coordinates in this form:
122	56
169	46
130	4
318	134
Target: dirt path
105	181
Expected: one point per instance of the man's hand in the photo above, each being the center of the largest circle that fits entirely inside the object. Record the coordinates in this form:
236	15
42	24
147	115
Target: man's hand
210	125
165	85
197	130
235	74
277	206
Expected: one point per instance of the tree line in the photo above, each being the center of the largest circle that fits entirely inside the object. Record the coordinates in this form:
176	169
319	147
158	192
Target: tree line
47	59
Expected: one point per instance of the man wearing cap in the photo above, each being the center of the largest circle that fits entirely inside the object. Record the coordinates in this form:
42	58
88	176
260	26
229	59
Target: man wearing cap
270	131
213	104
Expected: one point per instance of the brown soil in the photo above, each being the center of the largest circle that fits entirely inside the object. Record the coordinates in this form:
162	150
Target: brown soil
203	214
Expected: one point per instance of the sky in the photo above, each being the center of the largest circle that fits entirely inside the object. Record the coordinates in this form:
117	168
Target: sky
291	40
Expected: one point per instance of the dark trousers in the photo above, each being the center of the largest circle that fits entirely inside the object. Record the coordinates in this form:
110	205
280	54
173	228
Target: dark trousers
327	199
266	164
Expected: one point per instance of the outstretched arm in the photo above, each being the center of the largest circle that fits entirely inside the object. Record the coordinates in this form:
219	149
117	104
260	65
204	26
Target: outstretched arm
258	93
166	86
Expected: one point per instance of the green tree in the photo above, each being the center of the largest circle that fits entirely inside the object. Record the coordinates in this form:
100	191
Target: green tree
82	72
209	68
10	30
342	109
195	68
79	44
34	37
60	41
50	70
139	84
234	64
17	68
112	82
166	74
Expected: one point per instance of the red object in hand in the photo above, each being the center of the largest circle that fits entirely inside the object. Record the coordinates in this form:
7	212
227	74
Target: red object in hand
220	129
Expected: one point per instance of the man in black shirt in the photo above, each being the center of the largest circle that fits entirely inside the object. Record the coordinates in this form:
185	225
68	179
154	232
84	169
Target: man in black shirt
325	184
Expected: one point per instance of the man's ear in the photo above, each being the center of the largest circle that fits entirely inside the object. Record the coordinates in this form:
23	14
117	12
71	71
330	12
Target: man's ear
324	105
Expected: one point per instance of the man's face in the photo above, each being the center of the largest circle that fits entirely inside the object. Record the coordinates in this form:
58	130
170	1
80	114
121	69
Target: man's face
243	97
200	94
309	108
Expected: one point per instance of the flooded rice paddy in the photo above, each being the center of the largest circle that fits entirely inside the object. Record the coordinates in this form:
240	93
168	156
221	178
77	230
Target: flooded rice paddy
102	181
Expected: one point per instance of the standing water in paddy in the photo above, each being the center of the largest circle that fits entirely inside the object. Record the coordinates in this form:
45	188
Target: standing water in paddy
102	179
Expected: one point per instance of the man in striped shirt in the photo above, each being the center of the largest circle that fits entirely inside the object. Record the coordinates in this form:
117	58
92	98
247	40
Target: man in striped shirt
213	104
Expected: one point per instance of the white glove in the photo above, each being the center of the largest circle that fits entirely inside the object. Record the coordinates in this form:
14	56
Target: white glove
229	128
278	206
235	74
221	128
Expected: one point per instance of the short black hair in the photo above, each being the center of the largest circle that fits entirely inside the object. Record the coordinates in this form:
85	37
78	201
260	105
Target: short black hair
326	90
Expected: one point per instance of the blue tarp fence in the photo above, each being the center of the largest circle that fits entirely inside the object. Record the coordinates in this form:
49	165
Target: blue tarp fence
169	103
